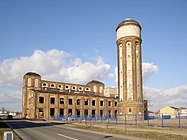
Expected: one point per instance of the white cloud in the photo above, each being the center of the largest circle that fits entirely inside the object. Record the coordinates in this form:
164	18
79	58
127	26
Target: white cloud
148	69
11	101
53	65
159	98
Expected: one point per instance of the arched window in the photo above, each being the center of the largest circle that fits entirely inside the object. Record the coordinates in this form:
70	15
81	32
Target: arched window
59	86
80	89
95	89
29	82
67	87
44	85
101	89
36	82
74	88
52	85
87	89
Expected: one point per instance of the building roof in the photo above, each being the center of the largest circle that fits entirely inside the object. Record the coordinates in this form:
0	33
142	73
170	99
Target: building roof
94	81
128	21
71	93
32	74
173	107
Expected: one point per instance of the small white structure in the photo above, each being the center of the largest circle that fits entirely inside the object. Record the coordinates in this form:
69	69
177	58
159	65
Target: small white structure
183	112
8	135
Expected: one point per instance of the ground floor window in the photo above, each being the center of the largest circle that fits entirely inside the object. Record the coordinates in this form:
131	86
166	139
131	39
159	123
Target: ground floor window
115	113
109	113
93	113
41	113
101	112
86	112
70	112
52	111
61	111
78	112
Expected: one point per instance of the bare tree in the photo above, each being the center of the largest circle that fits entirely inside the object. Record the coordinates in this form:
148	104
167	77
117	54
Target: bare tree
147	97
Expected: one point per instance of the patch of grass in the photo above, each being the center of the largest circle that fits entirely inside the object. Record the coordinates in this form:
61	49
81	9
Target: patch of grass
4	127
128	132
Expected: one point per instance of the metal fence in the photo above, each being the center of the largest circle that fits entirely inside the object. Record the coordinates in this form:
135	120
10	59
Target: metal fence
127	119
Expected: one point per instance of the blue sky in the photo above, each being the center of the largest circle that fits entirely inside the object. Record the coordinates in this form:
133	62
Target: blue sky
85	31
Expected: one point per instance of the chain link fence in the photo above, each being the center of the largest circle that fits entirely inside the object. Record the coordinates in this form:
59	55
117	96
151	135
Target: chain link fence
126	119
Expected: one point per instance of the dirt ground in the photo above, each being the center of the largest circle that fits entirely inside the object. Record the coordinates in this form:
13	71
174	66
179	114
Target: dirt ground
148	132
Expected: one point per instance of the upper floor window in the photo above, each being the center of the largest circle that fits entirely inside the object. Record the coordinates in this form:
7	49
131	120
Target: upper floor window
36	82
86	102
52	85
73	88
101	89
93	102
67	87
116	103
44	84
87	89
61	101
29	82
80	89
101	103
70	101
78	101
109	103
52	100
41	100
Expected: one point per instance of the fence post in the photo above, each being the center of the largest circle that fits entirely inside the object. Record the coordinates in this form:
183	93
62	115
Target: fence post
148	120
162	120
136	119
116	119
179	124
125	119
108	118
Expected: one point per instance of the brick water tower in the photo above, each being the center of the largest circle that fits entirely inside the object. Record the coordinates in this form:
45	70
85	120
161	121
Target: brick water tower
129	67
